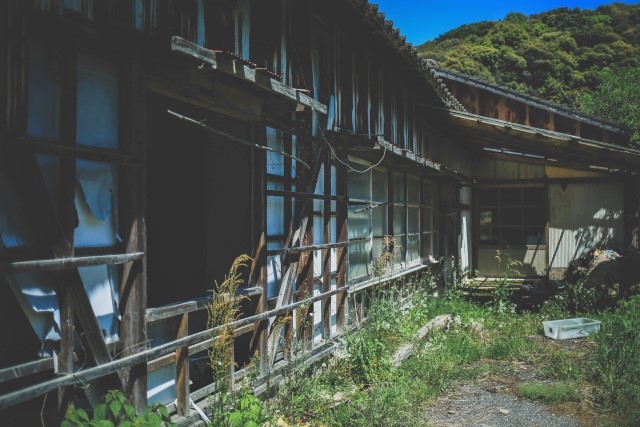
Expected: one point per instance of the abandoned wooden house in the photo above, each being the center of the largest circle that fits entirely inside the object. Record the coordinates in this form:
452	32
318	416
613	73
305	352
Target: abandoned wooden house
145	144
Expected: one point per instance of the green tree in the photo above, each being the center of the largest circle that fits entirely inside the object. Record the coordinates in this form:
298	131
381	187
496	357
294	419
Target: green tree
617	98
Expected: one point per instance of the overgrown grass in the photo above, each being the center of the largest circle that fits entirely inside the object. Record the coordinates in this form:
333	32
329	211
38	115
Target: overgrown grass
550	392
616	360
363	388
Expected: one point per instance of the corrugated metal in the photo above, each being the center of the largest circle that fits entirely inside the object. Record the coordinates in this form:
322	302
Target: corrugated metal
584	216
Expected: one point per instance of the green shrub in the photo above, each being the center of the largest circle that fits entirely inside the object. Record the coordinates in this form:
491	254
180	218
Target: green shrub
115	410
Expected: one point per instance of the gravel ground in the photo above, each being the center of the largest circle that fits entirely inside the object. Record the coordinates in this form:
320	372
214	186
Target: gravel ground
473	406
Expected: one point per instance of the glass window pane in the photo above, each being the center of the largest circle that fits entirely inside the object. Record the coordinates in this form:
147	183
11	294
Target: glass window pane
358	186
379	220
399	220
97	102
380	193
318	230
413	189
359	253
427	219
413	248
413	214
359	222
426	244
398	187
511	216
400	242
428	193
486	224
275	215
275	161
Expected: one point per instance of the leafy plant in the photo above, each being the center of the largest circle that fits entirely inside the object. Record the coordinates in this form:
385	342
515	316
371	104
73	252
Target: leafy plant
507	267
115	410
247	412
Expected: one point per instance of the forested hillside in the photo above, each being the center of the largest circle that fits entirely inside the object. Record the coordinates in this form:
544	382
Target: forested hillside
559	55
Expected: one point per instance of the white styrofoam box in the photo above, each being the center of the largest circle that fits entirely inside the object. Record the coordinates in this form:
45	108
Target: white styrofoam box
570	328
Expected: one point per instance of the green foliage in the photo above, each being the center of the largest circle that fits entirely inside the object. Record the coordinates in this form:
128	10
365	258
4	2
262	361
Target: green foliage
617	98
247	412
615	361
114	410
550	392
548	54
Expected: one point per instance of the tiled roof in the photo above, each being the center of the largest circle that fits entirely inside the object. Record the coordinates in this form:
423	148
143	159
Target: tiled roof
378	19
529	99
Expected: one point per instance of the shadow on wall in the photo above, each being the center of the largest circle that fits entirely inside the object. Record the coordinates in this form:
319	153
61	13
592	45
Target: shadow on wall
583	217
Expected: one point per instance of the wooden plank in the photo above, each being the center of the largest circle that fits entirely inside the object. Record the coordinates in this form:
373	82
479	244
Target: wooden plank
244	73
306	248
179	308
144	356
182	370
26	369
83	152
70	263
133	284
299	195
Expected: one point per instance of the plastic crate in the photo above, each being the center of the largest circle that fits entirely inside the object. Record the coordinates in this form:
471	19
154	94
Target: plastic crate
568	329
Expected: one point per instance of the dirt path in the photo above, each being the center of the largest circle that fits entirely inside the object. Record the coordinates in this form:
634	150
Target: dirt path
471	405
492	401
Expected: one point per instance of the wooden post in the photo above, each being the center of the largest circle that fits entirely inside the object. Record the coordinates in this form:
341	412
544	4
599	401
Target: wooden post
133	286
342	234
326	254
182	369
259	340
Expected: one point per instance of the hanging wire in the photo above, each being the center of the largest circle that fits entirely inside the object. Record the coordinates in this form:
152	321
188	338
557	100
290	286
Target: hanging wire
234	138
324	138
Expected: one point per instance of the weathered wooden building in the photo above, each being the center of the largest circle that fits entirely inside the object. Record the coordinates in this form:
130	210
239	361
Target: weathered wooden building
147	143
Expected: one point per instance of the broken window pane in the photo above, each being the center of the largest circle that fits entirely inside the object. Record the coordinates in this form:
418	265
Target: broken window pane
96	204
101	284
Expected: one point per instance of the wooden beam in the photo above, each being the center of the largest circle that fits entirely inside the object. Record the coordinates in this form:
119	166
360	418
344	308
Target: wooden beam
244	73
306	248
182	370
180	308
71	263
144	356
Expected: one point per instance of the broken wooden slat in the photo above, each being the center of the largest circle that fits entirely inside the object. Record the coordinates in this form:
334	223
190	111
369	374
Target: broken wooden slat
68	263
403	353
81	377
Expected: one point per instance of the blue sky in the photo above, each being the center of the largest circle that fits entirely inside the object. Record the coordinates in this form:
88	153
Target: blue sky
424	20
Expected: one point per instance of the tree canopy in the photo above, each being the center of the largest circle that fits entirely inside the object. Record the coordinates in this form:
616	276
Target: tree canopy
558	55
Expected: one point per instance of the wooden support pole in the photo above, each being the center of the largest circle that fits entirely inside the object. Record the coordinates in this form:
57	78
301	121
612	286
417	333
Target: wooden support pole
133	285
182	369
